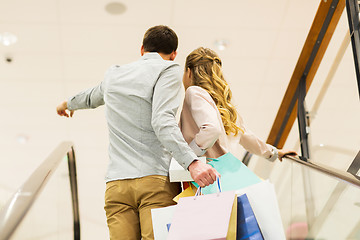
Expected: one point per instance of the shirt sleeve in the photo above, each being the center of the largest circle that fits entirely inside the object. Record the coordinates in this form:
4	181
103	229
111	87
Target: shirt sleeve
166	101
207	118
90	98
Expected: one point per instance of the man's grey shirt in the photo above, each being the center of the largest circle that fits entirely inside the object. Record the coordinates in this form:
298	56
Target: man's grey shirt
141	100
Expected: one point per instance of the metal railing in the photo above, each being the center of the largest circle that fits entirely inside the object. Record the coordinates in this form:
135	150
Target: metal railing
19	204
336	173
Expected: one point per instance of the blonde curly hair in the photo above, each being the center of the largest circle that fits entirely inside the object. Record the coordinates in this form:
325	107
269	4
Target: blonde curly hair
206	70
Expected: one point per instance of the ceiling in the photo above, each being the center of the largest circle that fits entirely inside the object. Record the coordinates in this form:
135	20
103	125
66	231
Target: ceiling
66	46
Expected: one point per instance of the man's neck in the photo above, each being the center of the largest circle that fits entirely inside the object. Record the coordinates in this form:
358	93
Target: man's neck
165	56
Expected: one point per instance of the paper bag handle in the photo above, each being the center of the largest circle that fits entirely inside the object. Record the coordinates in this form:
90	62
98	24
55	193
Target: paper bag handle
198	191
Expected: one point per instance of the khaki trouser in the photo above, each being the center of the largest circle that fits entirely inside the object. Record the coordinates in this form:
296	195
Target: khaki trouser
128	205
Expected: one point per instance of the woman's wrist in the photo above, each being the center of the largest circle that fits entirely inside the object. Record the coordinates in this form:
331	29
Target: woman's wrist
275	154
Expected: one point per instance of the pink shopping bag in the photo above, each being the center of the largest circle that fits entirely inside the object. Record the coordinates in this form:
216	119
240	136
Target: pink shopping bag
203	217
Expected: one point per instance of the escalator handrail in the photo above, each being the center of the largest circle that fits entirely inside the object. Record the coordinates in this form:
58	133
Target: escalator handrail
19	204
333	172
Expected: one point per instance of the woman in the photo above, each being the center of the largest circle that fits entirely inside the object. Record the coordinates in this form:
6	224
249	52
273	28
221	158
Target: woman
209	121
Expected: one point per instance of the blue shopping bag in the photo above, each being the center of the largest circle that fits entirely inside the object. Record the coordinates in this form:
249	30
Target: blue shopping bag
247	225
234	174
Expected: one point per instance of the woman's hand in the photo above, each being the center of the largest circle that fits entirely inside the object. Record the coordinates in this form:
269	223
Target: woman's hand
282	153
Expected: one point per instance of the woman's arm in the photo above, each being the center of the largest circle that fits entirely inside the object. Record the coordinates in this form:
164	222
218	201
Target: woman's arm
255	145
206	117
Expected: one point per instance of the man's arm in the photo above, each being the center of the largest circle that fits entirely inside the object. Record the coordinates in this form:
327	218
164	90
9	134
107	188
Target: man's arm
164	106
90	98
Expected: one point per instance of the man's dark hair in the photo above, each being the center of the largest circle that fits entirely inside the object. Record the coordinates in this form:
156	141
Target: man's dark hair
161	39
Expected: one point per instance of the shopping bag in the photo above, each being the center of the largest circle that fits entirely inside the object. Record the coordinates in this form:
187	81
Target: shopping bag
264	204
161	220
247	226
188	192
205	217
234	174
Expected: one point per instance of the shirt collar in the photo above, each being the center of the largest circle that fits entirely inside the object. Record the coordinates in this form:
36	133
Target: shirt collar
151	55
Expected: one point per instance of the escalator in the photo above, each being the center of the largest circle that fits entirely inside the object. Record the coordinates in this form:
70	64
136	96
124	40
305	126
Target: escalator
46	205
318	194
316	201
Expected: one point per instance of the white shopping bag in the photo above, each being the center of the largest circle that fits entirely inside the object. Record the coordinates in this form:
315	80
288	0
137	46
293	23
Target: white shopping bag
262	198
160	218
178	174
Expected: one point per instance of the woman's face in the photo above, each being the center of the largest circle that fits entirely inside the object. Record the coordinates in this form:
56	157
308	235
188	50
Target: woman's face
187	78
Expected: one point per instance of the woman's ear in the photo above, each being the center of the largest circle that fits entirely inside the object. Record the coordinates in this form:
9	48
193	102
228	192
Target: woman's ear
188	73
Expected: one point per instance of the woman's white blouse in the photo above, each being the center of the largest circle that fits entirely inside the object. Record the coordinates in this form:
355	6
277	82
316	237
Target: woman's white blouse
203	130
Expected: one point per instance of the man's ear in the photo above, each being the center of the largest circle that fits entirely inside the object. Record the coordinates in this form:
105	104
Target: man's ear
173	55
142	51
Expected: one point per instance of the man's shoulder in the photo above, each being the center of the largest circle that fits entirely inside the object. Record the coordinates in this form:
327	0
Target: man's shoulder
113	67
156	65
171	65
116	67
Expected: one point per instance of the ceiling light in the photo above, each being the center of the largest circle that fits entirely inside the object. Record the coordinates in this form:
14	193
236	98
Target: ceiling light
115	8
22	139
7	38
221	44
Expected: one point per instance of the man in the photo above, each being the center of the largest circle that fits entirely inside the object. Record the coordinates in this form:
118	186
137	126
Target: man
141	100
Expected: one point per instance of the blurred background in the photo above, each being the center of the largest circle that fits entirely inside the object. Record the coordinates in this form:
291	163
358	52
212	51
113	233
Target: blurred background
52	49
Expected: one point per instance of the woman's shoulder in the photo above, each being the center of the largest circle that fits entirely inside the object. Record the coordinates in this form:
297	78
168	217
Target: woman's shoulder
193	93
196	90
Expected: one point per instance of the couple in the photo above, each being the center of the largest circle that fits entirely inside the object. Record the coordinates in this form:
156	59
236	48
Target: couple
141	100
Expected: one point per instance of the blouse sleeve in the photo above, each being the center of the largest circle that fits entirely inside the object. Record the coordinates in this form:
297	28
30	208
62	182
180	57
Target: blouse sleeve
206	117
255	145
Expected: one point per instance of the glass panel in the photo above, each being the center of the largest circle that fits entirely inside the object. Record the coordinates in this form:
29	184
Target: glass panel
311	211
334	127
5	194
50	216
314	205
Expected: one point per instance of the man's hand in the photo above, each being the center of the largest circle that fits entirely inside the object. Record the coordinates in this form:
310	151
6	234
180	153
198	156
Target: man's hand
61	110
202	173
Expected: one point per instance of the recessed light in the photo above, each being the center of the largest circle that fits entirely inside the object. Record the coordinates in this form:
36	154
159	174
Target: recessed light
7	38
221	44
22	139
115	8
